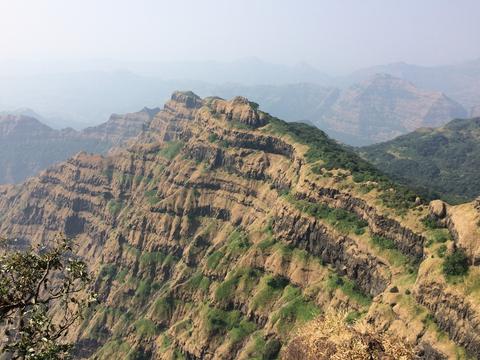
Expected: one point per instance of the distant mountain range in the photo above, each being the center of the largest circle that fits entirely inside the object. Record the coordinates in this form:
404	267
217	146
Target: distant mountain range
301	92
460	82
374	110
441	162
28	146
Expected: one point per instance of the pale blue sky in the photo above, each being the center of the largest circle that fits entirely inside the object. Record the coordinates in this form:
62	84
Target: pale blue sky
335	35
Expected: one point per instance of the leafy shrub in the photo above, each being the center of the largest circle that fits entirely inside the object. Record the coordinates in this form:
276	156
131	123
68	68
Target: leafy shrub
430	223
442	250
456	263
199	282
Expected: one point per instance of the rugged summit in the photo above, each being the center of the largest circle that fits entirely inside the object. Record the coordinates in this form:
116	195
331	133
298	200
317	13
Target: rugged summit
441	162
220	229
27	146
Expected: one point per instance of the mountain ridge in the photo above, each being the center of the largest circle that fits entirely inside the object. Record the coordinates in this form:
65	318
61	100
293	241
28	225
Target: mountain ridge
221	229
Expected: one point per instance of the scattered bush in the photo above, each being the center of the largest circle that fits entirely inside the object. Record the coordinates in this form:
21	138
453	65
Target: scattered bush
456	263
442	250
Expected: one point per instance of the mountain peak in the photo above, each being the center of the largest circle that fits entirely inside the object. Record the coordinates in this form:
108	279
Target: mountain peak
188	98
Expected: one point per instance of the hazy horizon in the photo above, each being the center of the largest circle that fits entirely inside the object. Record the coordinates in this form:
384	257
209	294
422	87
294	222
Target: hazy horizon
335	38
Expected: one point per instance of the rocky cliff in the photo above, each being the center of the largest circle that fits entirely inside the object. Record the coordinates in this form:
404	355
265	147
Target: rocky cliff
221	229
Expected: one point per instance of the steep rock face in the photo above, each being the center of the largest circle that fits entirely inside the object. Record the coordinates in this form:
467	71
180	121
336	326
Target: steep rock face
220	229
27	146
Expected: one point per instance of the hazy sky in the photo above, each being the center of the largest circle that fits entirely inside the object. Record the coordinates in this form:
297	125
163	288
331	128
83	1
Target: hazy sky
333	35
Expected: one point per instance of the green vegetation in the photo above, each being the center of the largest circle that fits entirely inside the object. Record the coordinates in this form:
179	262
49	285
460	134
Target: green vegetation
241	331
456	264
198	281
269	289
440	235
152	197
335	156
383	242
442	250
212	137
214	259
171	149
352	317
151	260
349	288
145	328
440	162
243	279
237	242
430	223
121	275
114	207
108	271
344	221
32	283
266	243
220	321
163	308
296	309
